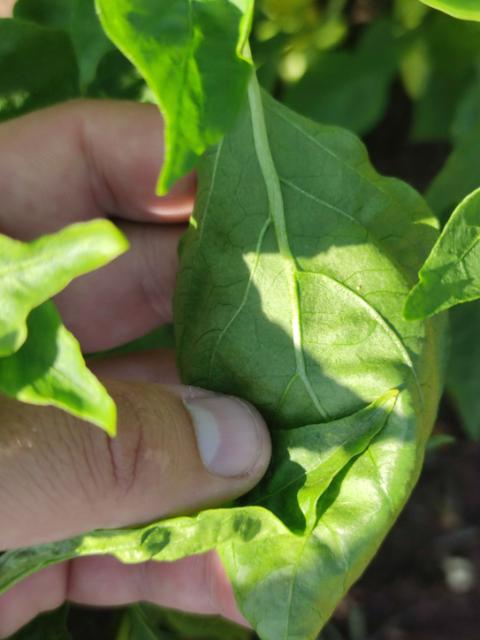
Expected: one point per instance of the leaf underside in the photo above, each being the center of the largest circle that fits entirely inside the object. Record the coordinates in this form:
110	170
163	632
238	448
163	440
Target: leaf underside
292	232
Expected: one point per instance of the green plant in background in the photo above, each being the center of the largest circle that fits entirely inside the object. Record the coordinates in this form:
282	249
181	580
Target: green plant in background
315	315
464	9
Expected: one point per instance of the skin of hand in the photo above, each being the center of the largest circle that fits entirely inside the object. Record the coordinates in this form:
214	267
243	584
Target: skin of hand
6	7
178	448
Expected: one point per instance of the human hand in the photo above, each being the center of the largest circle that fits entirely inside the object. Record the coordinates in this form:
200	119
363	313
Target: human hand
59	477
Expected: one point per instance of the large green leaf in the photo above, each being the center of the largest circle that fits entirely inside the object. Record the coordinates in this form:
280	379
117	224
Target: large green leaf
463	9
463	380
49	369
78	18
451	273
31	273
37	67
291	295
191	53
304	319
350	88
147	622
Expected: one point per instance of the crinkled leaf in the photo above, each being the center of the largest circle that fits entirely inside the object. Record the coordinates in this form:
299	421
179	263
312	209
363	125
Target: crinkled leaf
147	622
350	88
167	540
291	295
463	379
463	9
31	273
307	458
191	53
49	369
37	67
79	19
451	273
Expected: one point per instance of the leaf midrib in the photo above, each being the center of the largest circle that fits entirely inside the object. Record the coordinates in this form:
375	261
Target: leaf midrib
277	215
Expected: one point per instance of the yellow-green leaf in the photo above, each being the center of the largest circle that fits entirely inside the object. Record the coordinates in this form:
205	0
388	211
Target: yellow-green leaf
31	273
463	9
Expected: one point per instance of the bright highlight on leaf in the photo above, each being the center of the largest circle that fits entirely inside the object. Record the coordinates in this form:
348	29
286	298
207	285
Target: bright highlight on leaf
191	53
463	9
451	273
32	273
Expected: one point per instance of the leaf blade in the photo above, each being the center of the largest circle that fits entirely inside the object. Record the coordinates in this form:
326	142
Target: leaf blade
450	275
49	370
187	51
32	273
463	9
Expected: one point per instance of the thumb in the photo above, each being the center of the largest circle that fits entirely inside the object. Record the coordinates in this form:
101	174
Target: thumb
178	449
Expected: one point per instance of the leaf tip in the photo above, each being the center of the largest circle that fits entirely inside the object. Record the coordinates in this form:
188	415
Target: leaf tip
164	183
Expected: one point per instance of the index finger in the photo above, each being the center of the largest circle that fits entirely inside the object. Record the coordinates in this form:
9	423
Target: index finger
83	160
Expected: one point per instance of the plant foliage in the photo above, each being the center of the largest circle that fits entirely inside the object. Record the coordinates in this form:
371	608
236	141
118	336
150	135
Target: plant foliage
308	281
188	51
464	9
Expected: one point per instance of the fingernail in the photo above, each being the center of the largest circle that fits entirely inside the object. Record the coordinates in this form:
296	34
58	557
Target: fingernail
228	432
